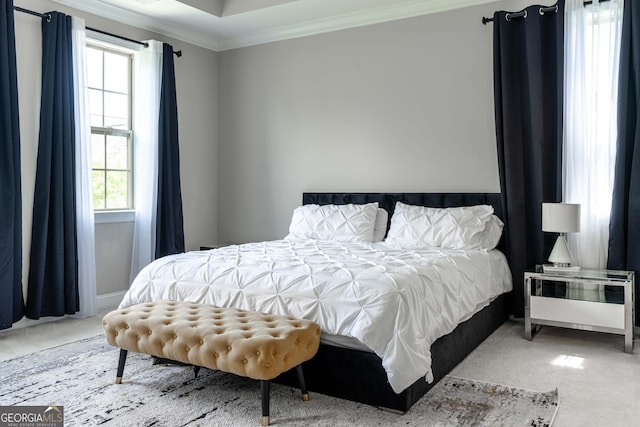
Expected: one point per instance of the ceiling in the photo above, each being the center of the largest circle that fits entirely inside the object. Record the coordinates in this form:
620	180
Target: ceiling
227	24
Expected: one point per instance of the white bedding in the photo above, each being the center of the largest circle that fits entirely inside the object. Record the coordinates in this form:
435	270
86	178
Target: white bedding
395	301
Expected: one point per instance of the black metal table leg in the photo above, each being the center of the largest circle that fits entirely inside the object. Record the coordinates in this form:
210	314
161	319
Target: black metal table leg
121	362
264	387
303	386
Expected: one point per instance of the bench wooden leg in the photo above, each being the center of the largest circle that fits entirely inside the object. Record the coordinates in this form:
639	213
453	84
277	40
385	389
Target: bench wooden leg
121	362
303	386
264	388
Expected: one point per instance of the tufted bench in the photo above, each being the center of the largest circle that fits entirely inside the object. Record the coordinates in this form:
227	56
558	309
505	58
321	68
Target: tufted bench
246	343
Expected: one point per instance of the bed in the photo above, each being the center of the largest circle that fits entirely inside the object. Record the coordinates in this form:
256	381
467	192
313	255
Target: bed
380	346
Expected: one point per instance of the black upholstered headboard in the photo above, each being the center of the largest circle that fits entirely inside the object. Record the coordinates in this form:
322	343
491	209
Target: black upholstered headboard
388	201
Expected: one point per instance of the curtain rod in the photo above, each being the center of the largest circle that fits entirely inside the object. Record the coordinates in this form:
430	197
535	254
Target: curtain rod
47	16
543	10
31	12
177	53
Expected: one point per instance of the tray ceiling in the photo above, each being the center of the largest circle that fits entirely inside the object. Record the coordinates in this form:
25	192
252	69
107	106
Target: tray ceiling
228	24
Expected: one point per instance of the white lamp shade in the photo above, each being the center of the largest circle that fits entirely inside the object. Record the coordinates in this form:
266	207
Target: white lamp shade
561	217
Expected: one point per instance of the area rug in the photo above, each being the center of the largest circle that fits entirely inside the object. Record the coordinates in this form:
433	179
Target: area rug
80	377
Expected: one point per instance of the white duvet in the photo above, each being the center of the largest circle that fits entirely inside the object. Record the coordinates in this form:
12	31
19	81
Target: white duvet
395	301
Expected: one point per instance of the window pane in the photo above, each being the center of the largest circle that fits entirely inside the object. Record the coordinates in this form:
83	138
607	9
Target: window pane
116	110
98	189
116	72
117	153
97	151
94	68
95	107
117	189
109	81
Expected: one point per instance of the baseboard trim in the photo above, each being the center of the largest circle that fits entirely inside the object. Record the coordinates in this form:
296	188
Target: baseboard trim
108	301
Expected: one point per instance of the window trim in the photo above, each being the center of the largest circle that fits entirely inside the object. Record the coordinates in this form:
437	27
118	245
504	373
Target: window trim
119	214
114	215
110	42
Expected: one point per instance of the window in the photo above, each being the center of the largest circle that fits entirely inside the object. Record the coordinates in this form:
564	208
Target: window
109	75
592	50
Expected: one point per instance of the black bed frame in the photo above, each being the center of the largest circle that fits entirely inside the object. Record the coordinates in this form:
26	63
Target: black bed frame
359	375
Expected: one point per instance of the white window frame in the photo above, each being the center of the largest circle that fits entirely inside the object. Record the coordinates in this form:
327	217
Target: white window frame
104	41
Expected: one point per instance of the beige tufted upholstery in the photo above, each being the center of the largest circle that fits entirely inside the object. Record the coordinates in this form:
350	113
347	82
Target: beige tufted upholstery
251	344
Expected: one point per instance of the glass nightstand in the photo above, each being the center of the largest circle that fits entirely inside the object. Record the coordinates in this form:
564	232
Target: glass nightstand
591	300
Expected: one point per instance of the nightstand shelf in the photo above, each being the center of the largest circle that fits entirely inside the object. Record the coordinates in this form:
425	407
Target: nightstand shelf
591	300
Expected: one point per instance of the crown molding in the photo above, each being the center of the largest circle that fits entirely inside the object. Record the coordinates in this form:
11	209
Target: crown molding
406	9
342	22
143	22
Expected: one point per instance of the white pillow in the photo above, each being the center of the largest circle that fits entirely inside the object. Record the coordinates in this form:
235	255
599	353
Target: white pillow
447	228
343	223
380	227
492	233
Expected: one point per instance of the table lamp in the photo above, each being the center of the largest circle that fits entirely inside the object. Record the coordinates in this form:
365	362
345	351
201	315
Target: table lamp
561	218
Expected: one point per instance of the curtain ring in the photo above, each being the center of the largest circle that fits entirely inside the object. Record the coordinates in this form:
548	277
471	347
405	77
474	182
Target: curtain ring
553	9
508	15
48	18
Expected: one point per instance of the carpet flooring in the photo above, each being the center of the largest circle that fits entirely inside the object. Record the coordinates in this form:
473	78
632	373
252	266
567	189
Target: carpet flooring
79	376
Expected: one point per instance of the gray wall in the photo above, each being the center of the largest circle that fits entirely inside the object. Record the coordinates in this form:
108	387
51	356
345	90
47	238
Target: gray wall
401	106
197	112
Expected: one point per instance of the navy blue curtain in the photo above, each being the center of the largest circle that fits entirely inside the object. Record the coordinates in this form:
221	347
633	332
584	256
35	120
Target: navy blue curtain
11	302
169	222
624	225
528	84
53	270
